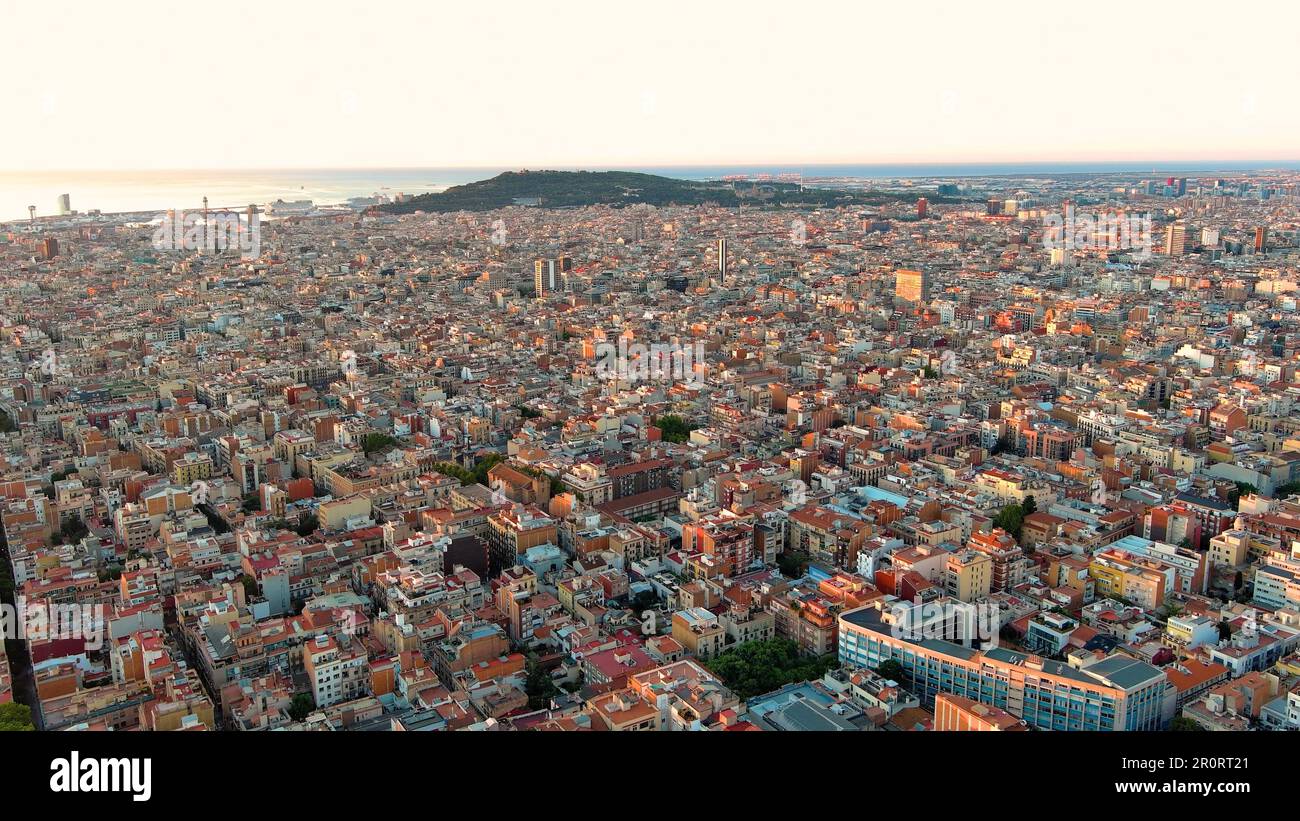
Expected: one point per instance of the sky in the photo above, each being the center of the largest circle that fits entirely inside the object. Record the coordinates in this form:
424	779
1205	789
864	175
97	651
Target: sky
388	83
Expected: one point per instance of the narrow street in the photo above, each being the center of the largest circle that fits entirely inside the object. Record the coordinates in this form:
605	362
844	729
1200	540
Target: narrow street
20	662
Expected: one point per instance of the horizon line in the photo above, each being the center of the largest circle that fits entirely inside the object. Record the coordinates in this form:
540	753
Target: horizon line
1260	161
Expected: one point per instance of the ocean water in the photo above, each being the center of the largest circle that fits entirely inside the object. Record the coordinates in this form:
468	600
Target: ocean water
112	191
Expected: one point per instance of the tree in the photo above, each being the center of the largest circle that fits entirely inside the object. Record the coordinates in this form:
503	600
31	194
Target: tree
1011	518
216	522
1171	608
674	428
251	503
1028	506
1240	489
477	476
15	717
891	669
1289	489
644	601
1008	635
792	563
372	442
301	706
538	685
1185	725
758	667
72	531
307	525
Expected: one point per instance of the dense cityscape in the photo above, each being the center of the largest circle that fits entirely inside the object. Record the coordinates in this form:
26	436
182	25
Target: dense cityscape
1009	453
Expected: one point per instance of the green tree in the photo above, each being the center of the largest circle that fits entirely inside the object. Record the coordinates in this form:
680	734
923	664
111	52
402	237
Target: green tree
792	563
1011	518
72	531
376	442
758	667
538	684
891	669
216	522
307	525
644	601
1240	489
1171	608
1289	489
301	706
1185	725
15	717
674	428
1028	506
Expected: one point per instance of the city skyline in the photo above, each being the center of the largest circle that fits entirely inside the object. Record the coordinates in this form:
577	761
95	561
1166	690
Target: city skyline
379	380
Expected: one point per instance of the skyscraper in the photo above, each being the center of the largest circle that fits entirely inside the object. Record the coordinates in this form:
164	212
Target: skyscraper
1176	239
722	258
1261	239
546	277
913	286
922	207
65	205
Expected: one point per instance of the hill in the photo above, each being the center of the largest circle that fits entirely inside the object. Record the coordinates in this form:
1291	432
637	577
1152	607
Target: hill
570	189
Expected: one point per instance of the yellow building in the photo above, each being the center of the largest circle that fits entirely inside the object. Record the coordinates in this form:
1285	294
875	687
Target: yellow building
191	468
699	632
1229	549
968	575
1134	580
334	514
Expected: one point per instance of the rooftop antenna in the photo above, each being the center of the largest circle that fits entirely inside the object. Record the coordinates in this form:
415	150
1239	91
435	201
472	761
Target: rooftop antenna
205	222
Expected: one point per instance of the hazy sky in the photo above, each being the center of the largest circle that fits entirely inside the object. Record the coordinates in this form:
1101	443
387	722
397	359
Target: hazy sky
387	83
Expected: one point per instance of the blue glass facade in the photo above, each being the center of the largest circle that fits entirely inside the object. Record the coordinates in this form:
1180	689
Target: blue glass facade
1046	702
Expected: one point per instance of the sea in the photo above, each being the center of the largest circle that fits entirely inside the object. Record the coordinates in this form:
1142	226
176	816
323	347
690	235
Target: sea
159	190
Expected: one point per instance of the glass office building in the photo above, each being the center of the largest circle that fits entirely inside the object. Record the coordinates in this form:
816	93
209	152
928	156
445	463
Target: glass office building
1112	693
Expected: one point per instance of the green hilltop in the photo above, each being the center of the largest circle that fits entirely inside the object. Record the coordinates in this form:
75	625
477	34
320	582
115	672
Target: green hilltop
571	189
